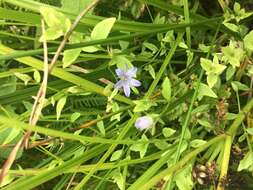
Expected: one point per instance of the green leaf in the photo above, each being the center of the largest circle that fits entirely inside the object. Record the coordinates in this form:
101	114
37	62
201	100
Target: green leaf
24	77
246	162
55	19
250	130
102	29
162	145
248	41
69	56
233	54
184	179
231	26
90	49
230	73
76	37
205	90
75	6
116	155
183	45
74	116
151	47
206	64
141	147
197	143
60	105
167	132
51	34
100	125
36	76
212	79
151	71
166	89
205	123
118	178
143	105
236	85
121	61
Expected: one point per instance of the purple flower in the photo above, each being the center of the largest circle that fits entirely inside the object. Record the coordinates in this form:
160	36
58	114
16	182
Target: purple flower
144	122
127	79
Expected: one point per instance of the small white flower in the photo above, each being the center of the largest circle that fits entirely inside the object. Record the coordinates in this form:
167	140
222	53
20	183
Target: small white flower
144	122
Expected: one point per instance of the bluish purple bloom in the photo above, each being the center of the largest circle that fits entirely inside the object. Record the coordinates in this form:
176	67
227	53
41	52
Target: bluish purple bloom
144	122
127	80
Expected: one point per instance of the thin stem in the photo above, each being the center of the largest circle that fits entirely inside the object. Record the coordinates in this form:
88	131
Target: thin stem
187	20
164	66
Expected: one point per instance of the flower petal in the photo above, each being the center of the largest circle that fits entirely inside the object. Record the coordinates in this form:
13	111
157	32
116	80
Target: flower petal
131	72
134	82
120	72
144	122
118	85
126	89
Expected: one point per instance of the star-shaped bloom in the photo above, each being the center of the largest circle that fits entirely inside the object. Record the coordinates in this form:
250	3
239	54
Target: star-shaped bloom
127	80
144	122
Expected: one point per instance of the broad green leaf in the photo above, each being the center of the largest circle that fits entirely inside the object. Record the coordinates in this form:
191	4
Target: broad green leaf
162	145
36	76
246	162
184	178
141	147
218	68
183	45
236	85
231	26
102	29
233	53
55	19
116	155
24	77
250	130
167	132
151	47
143	105
151	71
204	48
76	37
248	41
121	61
74	116
75	6
166	89
230	73
206	64
60	105
118	179
212	79
90	49
197	143
205	90
230	116
123	44
69	56
51	34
